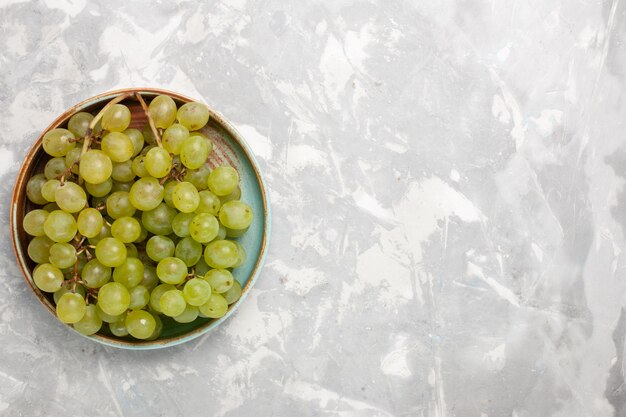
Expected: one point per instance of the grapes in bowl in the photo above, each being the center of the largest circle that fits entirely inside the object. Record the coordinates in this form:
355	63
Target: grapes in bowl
140	218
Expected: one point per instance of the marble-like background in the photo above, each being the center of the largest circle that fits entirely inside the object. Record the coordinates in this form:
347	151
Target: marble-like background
447	179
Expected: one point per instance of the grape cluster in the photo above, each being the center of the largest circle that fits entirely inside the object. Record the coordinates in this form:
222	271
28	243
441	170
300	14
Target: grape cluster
135	225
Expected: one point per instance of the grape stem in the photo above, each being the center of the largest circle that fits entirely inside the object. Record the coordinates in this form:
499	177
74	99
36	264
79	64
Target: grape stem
155	132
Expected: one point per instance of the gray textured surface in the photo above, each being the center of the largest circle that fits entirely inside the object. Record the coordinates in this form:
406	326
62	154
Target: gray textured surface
447	181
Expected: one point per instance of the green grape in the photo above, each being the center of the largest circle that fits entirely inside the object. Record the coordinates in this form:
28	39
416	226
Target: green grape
158	162
150	279
139	166
180	224
189	251
221	234
89	222
90	323
234	293
59	293
235	195
193	115
113	298
118	205
33	189
48	277
185	197
111	252
95	275
221	254
121	186
123	171
50	207
198	177
143	235
70	197
208	141
215	308
146	194
168	193
72	158
162	111
60	226
79	124
148	136
194	152
197	292
209	203
33	222
109	318
62	255
126	229
159	220
236	215
131	250
99	190
95	166
235	233
221	280
187	316
140	324
129	273
155	295
58	142
116	118
54	168
136	138
139	297
201	267
173	303
117	146
203	227
173	138
158	328
159	247
49	188
119	328
71	308
39	249
223	180
242	255
171	270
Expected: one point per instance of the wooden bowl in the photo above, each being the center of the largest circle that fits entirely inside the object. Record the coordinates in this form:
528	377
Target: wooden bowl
229	148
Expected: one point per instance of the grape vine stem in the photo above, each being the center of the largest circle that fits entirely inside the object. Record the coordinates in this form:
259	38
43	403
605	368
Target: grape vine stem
155	132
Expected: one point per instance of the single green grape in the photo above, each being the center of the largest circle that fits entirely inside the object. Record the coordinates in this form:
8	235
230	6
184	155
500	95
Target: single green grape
159	220
33	189
105	231
131	250
189	251
197	291
71	308
168	193
235	195
173	303
99	190
59	293
234	293
136	138
215	308
39	249
111	252
72	159
155	296
70	197
140	324
242	255
236	215
208	141
54	168
79	123
33	222
143	235
194	152
139	297
146	194
90	323
162	111
235	233
48	277
201	267
95	275
113	298
221	254
49	188
203	227
123	171
185	197
171	270
95	166
116	118
129	273
50	207
193	115
223	180
198	177
121	186
118	328
173	138
58	142
159	247
158	328
63	255
126	229
209	203
89	222
118	205
109	318
148	136
60	226
158	162
221	280
181	222
221	233
187	316
139	166
150	279
117	146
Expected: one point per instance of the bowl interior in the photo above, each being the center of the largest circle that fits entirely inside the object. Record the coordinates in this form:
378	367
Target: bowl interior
229	149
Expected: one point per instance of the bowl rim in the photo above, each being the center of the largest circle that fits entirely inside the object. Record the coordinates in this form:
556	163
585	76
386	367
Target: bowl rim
21	180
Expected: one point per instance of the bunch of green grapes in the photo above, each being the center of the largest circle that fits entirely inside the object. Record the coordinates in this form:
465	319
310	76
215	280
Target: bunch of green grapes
130	230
